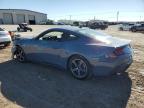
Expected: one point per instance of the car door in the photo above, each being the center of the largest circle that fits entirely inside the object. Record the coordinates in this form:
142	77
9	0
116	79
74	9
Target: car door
142	27
47	47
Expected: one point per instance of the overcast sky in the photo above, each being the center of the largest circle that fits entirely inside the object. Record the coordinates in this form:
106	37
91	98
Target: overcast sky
81	9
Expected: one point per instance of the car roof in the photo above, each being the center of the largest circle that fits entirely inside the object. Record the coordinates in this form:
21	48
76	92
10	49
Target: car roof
68	28
63	28
77	30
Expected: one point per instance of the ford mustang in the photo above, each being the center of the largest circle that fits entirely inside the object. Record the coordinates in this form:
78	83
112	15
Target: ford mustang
82	51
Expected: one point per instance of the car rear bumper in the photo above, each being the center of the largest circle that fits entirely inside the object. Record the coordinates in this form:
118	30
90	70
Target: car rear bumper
110	68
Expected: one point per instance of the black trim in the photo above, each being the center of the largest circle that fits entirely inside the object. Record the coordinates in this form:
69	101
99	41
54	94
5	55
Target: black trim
7	42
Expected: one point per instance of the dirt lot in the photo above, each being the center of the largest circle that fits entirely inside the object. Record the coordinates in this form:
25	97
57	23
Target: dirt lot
34	85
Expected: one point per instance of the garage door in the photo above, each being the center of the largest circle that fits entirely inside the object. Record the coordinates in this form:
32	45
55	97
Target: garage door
7	17
20	18
31	19
1	21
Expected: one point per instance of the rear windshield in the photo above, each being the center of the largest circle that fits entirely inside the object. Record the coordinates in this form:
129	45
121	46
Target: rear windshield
131	24
1	29
92	33
95	35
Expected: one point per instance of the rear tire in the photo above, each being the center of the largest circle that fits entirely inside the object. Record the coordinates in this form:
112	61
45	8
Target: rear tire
25	30
133	30
18	29
79	67
30	30
103	28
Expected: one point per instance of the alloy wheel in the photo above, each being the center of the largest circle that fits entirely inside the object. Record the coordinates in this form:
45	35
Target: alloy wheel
20	56
79	68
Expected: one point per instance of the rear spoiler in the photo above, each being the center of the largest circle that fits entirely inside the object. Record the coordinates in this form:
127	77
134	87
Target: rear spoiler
127	42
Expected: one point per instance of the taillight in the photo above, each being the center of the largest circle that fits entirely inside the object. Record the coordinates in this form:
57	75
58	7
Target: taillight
118	51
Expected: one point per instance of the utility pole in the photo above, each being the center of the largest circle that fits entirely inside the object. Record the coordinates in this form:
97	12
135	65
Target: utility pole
117	16
140	18
94	18
70	16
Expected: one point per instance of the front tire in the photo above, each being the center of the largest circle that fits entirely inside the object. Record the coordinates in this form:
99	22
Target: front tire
20	55
133	30
121	29
79	67
31	30
7	44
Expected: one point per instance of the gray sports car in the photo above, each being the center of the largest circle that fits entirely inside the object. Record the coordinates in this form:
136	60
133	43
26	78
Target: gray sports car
81	51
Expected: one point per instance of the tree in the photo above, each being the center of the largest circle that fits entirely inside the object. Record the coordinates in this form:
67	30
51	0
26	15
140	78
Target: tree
49	22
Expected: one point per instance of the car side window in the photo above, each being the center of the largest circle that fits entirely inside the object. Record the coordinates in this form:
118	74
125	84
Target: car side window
1	29
52	36
68	37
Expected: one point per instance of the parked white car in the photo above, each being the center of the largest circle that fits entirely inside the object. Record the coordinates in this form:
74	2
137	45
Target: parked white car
125	26
5	38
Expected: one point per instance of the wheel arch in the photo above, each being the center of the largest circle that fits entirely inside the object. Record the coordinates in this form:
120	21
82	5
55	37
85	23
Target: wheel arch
17	47
73	55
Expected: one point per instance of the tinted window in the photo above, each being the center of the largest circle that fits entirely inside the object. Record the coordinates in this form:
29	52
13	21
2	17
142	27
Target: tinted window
1	29
53	36
131	24
58	35
68	37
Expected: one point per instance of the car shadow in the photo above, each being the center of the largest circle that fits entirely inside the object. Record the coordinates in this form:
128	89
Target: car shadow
34	86
2	47
139	32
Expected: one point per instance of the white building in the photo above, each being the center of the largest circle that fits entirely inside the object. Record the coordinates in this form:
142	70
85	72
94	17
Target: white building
16	16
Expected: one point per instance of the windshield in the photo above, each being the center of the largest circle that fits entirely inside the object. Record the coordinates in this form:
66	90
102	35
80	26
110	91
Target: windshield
1	29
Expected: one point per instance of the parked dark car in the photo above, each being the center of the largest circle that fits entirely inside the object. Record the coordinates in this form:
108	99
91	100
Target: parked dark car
81	51
24	27
98	25
138	27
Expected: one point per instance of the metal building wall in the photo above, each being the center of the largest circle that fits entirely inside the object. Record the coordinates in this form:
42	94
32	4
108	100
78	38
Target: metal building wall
20	18
7	18
16	16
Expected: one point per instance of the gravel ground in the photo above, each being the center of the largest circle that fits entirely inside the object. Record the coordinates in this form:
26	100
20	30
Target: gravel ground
34	85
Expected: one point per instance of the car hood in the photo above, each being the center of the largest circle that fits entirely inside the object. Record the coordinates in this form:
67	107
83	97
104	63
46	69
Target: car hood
19	37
